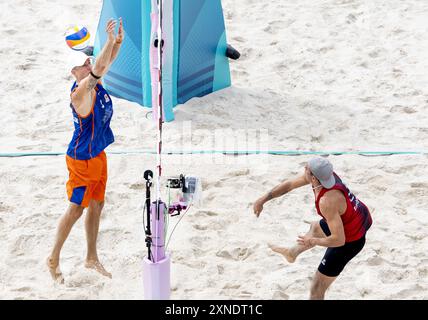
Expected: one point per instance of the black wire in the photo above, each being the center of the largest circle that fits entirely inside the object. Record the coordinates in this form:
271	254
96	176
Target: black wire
149	255
144	216
170	236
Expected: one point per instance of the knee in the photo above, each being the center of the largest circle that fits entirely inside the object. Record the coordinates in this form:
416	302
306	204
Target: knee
96	207
99	206
75	212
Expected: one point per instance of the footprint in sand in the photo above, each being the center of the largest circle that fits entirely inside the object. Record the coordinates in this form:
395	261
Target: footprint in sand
280	295
22	244
416	237
422	272
200	227
237	73
400	211
402	109
392	276
239	39
326	49
25	148
228	15
409	110
25	66
246	54
419	185
272	27
228	287
11	32
238	173
205	213
199	241
375	261
84	280
237	254
414	291
396	73
417	192
22	289
217	184
220	269
317	139
231	286
351	18
209	196
4	208
212	225
307	66
137	186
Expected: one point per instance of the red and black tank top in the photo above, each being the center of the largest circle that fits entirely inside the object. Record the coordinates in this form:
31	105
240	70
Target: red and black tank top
356	219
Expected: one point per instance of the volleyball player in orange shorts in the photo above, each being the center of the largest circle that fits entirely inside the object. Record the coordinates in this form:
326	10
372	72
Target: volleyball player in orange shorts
86	160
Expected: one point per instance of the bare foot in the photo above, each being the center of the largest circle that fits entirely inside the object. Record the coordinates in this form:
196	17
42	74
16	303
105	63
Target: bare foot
55	270
286	252
97	266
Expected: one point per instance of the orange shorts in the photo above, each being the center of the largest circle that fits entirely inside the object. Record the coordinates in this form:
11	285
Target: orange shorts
87	179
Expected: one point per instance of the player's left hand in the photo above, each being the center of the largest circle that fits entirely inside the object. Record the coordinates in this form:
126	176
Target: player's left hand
306	241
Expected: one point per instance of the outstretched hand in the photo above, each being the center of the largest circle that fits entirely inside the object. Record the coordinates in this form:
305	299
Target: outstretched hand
258	207
111	26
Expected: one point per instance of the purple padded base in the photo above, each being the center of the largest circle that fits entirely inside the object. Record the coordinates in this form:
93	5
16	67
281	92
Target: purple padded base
157	282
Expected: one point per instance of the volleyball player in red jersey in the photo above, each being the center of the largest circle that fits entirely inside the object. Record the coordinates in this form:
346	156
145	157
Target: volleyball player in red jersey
342	229
92	111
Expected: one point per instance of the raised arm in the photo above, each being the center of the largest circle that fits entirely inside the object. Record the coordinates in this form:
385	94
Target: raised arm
82	97
102	62
118	43
279	191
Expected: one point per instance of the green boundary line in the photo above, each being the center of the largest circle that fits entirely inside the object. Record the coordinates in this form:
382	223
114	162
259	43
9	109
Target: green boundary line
227	152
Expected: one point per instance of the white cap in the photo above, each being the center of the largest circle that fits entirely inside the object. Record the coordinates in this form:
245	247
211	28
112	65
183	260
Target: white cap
78	58
75	58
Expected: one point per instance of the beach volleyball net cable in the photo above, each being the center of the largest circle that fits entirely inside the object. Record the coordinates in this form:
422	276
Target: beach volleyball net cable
227	152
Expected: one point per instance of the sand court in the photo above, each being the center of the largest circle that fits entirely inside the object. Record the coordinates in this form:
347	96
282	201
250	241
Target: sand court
332	76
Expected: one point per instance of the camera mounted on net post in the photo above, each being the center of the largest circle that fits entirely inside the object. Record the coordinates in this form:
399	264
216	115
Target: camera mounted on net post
190	190
176	183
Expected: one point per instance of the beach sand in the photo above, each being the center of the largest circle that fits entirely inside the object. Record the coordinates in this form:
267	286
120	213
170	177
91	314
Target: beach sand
338	75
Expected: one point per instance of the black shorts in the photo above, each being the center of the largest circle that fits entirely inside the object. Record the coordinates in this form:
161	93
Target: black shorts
335	259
